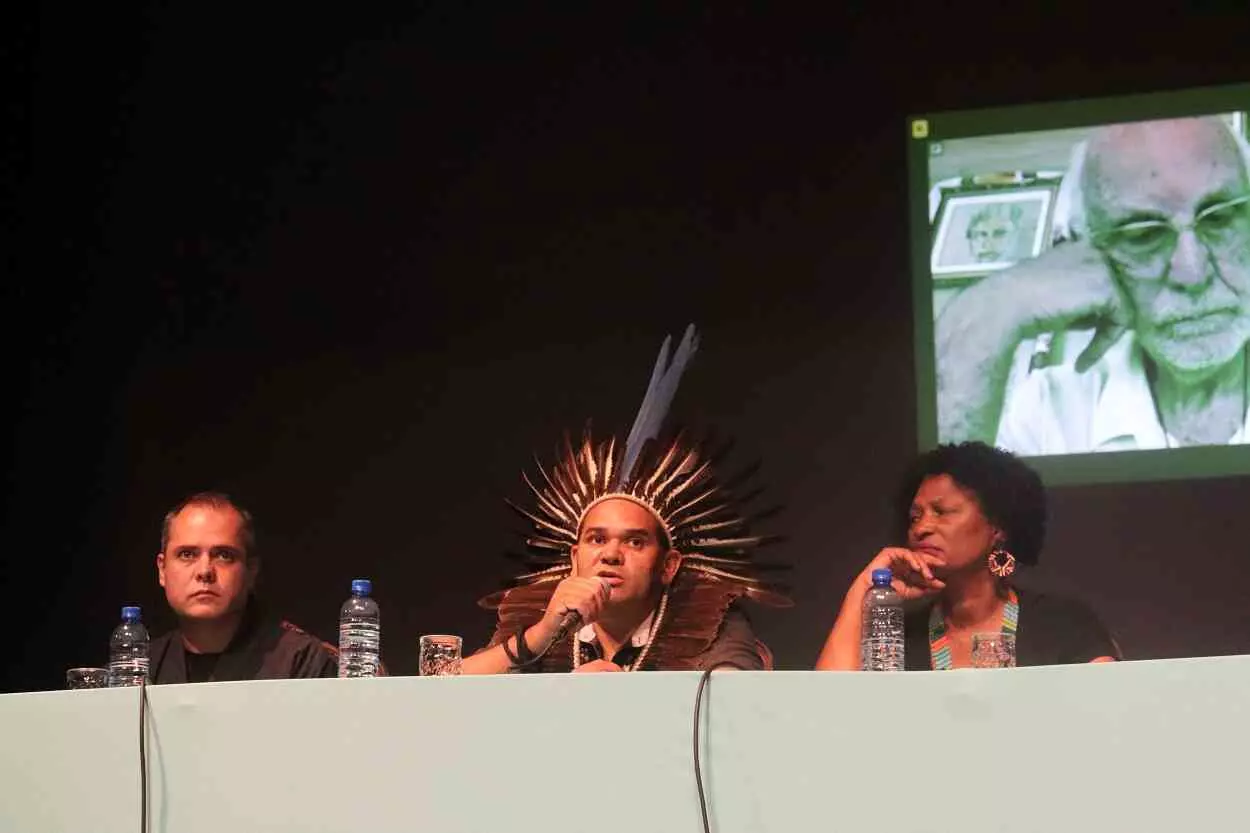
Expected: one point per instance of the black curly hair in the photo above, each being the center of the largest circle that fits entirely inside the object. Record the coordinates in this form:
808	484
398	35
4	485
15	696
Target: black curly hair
1010	493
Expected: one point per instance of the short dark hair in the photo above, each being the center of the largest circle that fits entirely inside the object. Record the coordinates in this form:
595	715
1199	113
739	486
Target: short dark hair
219	501
1010	493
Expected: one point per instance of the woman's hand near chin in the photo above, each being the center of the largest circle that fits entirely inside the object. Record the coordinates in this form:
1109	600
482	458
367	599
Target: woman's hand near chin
912	571
912	579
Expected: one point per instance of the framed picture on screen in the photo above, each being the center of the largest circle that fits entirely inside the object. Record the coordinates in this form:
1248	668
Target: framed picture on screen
982	230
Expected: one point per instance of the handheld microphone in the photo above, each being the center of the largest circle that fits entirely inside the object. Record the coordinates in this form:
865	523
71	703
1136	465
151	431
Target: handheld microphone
573	619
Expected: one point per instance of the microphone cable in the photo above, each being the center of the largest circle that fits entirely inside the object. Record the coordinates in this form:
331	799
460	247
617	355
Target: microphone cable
698	768
143	757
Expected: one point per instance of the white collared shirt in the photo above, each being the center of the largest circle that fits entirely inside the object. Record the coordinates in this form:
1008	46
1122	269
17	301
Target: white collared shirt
1109	407
637	639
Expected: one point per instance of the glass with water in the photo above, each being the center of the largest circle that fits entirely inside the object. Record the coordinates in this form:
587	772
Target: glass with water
440	655
993	650
81	678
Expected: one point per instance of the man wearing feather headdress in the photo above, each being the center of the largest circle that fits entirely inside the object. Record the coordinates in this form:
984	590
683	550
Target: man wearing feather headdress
646	545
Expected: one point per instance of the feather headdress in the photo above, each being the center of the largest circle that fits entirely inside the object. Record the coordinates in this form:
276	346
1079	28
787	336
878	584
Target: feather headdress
675	479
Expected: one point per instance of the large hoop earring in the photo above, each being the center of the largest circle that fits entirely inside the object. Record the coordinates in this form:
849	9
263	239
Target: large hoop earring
1002	563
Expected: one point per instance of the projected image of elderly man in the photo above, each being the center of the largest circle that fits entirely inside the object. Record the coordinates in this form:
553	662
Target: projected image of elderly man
1155	296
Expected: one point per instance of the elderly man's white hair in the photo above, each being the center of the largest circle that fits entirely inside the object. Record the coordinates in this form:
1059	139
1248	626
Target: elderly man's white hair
1069	220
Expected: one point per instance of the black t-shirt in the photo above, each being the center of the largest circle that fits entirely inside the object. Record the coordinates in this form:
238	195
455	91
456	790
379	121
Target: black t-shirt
200	667
1053	630
264	648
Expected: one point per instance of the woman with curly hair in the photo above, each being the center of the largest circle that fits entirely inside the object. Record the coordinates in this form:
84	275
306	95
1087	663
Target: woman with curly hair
972	514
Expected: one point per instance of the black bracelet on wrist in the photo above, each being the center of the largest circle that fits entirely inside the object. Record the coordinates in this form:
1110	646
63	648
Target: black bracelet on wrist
512	658
523	652
524	658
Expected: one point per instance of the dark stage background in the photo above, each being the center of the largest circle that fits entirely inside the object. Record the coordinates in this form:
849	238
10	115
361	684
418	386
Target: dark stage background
354	266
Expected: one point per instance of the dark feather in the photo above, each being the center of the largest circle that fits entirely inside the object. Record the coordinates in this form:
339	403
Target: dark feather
770	596
544	502
542	524
710	512
744	476
695	477
574	471
718	561
554	491
725	525
548	544
660	469
679	513
688	469
728	543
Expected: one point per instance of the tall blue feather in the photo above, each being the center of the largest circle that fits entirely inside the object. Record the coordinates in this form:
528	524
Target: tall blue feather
659	396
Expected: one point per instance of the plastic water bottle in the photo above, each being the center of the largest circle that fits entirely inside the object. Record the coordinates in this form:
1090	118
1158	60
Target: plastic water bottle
128	650
881	645
360	633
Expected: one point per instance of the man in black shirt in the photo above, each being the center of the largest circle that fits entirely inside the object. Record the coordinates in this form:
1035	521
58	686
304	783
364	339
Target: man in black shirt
208	569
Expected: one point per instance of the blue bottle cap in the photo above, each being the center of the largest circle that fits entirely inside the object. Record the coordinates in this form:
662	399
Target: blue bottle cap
882	578
361	587
130	613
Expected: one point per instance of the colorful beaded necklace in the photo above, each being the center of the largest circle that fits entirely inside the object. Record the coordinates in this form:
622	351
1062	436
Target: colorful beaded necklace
939	640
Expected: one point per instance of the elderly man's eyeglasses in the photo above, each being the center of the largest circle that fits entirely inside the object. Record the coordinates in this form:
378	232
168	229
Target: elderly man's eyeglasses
1143	249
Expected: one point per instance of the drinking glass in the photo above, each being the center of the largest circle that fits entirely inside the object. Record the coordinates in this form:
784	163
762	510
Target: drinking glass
440	655
993	650
76	678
